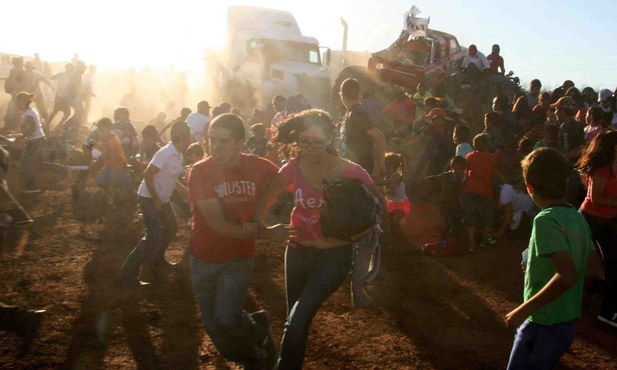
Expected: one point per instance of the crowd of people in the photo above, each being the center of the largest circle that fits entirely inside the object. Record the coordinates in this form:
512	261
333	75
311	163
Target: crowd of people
542	167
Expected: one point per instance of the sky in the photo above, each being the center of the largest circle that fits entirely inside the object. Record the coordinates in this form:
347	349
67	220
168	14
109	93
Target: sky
552	40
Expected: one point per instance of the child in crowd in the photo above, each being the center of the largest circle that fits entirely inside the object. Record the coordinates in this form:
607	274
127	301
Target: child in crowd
515	202
492	129
557	258
461	139
451	184
258	143
149	144
397	204
115	177
477	194
550	138
419	97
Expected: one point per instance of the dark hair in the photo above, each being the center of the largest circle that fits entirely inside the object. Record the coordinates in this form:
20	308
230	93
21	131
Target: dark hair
231	122
596	114
546	170
521	108
501	102
105	123
259	128
350	88
481	142
600	153
121	111
195	149
494	118
525	145
394	159
536	83
457	160
179	130
185	111
289	130
296	104
462	132
551	130
150	131
431	102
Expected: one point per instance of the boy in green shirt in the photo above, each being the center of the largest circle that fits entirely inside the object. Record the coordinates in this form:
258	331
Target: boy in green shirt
559	249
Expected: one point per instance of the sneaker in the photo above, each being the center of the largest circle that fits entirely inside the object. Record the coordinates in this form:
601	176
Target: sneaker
263	324
608	318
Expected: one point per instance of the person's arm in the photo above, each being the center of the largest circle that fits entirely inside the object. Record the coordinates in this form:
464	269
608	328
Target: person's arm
565	278
595	270
152	170
501	67
598	184
276	187
212	211
380	144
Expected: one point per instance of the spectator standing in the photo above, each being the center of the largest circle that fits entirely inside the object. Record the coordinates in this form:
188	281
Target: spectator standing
126	132
358	133
198	121
450	186
34	79
62	100
461	139
476	199
257	144
533	96
605	100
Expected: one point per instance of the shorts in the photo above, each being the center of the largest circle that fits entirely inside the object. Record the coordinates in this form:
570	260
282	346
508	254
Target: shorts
403	206
119	178
477	209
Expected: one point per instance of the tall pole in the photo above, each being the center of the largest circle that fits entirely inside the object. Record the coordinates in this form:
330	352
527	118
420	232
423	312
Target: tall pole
344	48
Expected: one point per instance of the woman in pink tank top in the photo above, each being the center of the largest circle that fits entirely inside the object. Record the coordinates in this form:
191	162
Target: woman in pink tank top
315	266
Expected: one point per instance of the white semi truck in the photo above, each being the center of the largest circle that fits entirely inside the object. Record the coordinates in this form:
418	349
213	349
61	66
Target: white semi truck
266	55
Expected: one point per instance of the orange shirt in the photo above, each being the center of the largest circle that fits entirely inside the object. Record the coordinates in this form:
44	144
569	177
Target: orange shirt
480	169
112	153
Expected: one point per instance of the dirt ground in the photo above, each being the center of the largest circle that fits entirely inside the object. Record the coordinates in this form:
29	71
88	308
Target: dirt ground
429	313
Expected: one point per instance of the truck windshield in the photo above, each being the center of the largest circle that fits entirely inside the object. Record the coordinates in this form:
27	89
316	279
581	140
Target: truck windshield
411	53
277	51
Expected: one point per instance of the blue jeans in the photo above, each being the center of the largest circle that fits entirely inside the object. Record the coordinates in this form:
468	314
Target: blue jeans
221	290
161	228
311	277
538	347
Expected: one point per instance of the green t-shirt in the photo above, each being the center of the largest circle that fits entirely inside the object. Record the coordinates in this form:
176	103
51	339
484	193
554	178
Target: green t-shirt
555	229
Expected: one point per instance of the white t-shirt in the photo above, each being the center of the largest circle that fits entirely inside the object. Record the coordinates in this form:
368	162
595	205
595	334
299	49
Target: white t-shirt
38	129
521	203
479	60
197	123
463	149
169	162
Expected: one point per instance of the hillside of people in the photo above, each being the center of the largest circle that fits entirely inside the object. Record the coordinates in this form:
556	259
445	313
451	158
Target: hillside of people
465	225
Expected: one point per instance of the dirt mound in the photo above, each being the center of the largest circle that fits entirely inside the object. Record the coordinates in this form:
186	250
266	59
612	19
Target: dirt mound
429	313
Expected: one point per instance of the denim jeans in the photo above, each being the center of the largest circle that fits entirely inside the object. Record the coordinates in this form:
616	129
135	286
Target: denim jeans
221	290
161	228
311	277
538	347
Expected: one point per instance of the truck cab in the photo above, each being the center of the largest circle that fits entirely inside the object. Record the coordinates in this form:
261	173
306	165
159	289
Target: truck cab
409	61
267	55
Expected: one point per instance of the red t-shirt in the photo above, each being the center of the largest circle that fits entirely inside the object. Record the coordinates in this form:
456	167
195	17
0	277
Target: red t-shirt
238	189
610	190
480	169
309	203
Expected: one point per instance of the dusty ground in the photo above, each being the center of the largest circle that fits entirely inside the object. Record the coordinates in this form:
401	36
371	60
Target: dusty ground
430	313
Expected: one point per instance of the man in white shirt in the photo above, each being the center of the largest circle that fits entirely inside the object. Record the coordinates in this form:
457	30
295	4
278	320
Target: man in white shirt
515	203
199	120
475	57
154	193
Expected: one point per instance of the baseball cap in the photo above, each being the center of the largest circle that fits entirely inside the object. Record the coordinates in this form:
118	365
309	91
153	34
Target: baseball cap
604	94
566	103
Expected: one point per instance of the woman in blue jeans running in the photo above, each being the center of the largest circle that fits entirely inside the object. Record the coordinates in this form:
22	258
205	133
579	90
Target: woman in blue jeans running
315	266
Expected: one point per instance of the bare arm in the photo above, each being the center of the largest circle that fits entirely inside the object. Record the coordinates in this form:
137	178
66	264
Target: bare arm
276	187
507	218
565	277
212	211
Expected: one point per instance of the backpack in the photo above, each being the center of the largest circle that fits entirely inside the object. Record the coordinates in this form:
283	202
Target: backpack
450	247
350	210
